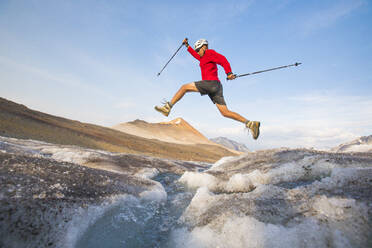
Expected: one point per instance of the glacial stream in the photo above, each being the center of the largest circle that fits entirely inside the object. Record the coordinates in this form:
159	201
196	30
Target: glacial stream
140	223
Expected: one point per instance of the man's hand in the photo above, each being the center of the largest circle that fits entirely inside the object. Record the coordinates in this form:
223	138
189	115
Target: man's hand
232	76
186	42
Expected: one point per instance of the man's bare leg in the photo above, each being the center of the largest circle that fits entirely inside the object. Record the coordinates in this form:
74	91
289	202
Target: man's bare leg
165	110
254	126
182	91
230	114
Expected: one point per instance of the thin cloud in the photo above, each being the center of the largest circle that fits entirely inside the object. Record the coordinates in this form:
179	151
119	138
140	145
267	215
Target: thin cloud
314	99
335	105
49	76
320	120
330	16
125	104
317	136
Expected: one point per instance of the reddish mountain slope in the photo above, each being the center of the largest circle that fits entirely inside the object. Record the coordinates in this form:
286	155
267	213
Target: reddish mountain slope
176	131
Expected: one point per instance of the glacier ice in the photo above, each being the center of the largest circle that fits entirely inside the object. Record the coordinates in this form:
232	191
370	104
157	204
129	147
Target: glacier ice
280	198
272	198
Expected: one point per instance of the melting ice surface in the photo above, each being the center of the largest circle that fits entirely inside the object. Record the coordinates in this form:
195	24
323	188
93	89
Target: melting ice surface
273	198
280	198
137	223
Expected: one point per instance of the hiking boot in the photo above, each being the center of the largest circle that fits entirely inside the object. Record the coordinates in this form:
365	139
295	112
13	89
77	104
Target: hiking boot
254	126
165	110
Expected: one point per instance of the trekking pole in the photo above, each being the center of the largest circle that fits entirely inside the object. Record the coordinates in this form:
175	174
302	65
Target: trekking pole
171	58
276	68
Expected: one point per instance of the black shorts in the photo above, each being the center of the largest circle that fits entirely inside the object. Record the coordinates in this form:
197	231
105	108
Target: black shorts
214	90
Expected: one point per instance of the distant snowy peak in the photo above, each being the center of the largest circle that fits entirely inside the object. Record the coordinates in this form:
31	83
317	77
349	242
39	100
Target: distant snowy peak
363	144
230	144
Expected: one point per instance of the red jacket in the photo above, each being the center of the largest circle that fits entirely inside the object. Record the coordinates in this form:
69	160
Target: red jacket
208	63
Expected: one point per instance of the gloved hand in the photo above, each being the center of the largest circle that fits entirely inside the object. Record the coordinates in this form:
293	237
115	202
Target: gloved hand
231	76
185	42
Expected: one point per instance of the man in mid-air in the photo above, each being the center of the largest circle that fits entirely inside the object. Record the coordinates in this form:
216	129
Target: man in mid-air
210	84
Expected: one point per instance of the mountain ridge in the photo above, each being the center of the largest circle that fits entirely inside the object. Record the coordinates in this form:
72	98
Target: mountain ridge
361	144
232	144
18	121
176	131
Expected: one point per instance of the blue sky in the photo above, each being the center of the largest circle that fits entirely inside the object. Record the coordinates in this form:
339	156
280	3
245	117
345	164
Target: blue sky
96	61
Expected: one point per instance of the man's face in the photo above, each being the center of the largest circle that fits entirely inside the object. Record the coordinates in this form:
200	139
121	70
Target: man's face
201	50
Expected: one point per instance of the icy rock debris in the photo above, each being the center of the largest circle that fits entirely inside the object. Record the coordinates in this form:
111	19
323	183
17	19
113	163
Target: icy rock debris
49	197
280	198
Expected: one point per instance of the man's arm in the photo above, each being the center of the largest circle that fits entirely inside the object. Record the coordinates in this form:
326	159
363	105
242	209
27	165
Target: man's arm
190	50
222	61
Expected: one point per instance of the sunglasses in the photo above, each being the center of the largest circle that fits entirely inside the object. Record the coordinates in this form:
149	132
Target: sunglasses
197	50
